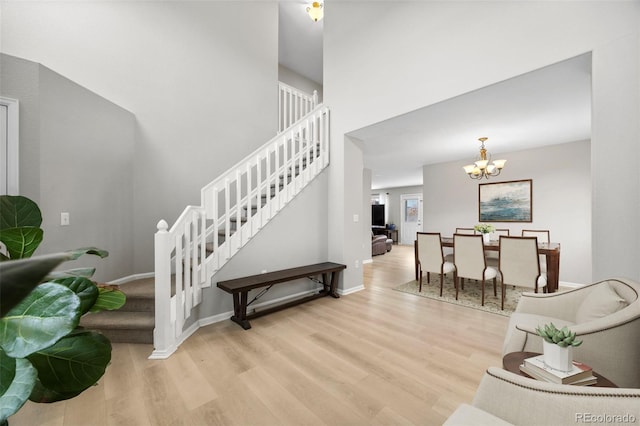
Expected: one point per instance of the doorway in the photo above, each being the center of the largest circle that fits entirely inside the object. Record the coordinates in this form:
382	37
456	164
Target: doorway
8	146
411	206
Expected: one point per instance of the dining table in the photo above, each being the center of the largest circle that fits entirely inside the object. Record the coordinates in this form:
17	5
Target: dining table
550	250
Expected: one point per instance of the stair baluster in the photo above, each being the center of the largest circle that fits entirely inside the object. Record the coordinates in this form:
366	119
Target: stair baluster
204	238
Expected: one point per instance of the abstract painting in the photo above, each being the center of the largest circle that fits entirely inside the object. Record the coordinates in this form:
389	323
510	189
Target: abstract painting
505	201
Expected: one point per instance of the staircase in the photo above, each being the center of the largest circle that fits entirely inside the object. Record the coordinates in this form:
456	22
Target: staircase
134	322
233	209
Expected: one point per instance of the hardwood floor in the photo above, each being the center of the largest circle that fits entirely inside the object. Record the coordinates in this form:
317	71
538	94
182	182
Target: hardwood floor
371	358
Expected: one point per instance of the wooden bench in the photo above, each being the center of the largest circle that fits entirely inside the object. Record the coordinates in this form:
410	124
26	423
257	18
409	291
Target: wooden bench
240	287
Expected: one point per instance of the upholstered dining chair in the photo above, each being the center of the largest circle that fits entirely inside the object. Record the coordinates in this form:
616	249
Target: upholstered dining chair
519	264
431	258
544	236
492	256
466	231
470	262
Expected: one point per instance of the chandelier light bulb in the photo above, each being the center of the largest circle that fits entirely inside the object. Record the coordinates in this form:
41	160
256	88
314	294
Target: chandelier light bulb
483	167
315	11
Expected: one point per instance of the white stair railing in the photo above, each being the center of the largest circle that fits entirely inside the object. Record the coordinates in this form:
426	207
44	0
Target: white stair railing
293	104
234	207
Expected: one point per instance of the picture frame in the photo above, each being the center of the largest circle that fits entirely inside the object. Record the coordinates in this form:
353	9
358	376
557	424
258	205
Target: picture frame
510	201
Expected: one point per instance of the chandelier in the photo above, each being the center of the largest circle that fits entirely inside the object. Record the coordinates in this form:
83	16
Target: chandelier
315	11
483	168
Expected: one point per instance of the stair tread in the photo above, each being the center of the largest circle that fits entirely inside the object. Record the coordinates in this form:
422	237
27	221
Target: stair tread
139	288
119	320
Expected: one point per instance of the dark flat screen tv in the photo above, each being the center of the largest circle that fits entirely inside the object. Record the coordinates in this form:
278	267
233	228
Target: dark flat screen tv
377	215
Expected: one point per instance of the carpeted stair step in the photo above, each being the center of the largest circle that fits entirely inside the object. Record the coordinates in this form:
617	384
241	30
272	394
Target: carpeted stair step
132	323
140	296
122	326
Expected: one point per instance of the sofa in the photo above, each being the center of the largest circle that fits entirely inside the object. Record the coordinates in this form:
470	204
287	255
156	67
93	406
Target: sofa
604	315
505	398
380	244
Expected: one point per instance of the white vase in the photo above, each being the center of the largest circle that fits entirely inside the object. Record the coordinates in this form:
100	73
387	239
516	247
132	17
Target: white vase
486	238
557	357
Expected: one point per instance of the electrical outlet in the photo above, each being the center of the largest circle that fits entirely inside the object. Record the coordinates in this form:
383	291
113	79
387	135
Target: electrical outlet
357	264
64	219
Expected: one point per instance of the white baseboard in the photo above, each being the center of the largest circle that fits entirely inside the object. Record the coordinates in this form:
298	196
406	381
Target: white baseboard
364	262
133	277
163	354
350	290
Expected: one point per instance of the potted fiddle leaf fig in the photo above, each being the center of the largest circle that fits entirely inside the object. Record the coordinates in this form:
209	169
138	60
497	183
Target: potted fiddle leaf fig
45	356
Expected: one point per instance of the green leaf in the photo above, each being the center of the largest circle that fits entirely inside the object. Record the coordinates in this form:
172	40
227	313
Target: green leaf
40	393
48	313
84	288
21	242
74	254
109	300
71	365
19	277
75	272
19	390
17	211
7	371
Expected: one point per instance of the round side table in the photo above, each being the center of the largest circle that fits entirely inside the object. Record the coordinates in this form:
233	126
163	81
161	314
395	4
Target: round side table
512	361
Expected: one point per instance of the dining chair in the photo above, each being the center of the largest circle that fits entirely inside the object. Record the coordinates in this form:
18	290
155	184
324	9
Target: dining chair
520	264
431	258
495	235
493	256
470	262
467	231
543	237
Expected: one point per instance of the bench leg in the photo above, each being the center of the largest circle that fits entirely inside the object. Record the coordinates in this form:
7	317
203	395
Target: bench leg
240	310
325	283
334	285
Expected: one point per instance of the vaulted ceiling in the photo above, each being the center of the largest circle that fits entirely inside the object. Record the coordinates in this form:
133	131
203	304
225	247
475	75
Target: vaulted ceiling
548	106
300	40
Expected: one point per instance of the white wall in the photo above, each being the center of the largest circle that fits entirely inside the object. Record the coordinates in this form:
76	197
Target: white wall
394	57
561	186
298	81
292	238
191	72
76	156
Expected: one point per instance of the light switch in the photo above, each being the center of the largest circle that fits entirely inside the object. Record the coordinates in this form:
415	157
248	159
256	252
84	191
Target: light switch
356	218
64	218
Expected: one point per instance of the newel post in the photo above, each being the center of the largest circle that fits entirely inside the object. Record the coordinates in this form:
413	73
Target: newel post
163	335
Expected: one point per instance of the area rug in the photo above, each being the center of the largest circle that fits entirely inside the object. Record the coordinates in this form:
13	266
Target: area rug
470	297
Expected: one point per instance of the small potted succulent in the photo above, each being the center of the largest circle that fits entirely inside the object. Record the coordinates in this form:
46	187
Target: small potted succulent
558	346
485	229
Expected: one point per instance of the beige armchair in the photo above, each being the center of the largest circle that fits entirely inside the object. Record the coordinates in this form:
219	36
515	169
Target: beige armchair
605	315
505	398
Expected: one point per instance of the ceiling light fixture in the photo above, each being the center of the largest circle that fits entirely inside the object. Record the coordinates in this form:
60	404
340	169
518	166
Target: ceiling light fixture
315	11
482	167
